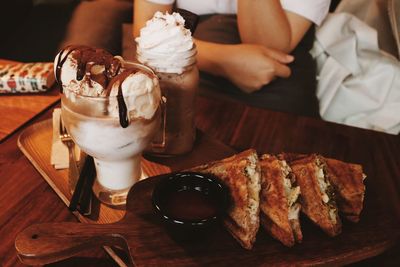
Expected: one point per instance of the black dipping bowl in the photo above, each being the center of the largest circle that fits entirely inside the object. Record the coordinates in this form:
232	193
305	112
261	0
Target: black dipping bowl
190	204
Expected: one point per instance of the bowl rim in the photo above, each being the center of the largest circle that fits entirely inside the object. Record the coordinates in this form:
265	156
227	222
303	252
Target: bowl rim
211	179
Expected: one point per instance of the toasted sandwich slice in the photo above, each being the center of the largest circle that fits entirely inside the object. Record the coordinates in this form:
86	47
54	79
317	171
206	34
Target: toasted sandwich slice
347	179
289	157
279	207
241	174
317	194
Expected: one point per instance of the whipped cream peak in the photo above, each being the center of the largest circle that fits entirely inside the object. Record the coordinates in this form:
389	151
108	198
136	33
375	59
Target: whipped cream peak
165	44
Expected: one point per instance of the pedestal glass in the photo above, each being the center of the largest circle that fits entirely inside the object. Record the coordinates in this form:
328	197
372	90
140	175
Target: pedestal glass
93	123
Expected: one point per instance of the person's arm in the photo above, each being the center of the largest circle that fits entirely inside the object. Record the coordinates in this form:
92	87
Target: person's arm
144	10
248	66
264	22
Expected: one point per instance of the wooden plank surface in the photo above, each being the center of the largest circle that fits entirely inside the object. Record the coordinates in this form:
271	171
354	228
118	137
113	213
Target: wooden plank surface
26	198
275	132
35	142
17	110
375	233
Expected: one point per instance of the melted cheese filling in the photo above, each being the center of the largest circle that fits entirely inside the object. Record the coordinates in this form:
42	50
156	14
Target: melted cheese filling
323	186
254	188
292	193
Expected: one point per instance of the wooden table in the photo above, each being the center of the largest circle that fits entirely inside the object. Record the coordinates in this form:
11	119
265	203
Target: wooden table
18	109
25	198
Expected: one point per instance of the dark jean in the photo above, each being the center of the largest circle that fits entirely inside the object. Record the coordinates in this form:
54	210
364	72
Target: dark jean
295	94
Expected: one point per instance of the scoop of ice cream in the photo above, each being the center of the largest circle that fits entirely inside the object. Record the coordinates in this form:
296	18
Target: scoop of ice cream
132	91
165	44
85	70
141	93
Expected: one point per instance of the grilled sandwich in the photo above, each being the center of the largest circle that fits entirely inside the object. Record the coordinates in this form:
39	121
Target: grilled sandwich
317	194
241	174
279	207
347	180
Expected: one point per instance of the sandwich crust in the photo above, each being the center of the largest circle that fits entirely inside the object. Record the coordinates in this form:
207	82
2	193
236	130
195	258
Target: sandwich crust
275	204
317	197
241	174
347	179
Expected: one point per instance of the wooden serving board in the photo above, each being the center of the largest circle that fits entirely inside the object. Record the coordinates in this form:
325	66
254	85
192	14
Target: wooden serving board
140	232
35	143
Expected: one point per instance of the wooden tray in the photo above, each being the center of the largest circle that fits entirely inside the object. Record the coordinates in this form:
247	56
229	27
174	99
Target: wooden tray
377	231
18	109
35	143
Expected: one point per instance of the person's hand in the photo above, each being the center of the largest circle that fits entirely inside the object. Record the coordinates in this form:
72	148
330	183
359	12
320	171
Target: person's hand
250	67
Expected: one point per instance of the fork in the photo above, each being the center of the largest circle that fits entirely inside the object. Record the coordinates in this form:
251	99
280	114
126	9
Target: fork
73	172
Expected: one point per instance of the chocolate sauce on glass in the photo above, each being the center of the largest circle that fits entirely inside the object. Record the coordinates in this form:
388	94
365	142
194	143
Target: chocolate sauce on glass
81	70
122	109
60	62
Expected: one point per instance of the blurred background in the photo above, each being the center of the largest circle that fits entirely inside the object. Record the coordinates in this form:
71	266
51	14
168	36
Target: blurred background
35	30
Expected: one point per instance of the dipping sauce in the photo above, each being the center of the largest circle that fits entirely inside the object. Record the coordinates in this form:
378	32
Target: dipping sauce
190	205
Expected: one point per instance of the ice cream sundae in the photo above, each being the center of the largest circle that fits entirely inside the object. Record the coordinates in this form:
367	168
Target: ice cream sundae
111	109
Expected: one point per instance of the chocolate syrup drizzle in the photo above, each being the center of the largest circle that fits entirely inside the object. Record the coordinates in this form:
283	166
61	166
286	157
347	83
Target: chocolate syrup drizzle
123	110
86	57
60	62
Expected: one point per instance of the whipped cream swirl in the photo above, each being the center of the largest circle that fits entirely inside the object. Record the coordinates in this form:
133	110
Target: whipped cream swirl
165	44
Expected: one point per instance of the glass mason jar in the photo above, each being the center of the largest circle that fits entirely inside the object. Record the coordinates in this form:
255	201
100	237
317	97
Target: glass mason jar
179	86
94	125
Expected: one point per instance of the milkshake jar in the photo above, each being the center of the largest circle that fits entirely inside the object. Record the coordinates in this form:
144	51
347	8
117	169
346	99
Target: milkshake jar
179	89
166	46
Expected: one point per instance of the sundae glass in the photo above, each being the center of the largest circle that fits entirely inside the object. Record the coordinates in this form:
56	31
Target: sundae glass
111	110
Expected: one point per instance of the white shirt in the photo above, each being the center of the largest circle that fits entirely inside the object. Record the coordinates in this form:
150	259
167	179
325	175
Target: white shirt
313	10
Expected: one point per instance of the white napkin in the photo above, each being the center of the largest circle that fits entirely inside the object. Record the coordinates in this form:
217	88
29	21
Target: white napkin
359	84
59	151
